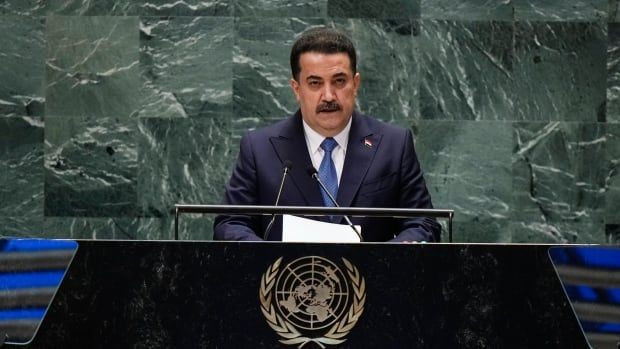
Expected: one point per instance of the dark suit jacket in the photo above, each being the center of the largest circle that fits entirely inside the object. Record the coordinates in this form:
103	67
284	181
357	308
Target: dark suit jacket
384	173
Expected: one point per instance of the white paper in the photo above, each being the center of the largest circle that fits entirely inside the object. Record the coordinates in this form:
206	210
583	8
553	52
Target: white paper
297	229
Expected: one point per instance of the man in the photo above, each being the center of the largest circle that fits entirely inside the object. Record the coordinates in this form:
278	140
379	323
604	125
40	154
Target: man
372	164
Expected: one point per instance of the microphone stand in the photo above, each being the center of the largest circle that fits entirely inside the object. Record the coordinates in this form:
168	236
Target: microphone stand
313	173
287	167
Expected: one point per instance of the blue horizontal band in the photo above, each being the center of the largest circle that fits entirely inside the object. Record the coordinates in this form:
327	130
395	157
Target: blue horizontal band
22	314
26	245
594	295
587	257
601	327
9	281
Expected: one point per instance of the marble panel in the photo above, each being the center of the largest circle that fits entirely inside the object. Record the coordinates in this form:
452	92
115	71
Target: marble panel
117	7
388	62
559	175
21	166
23	7
554	10
468	10
186	67
485	230
386	9
22	226
185	8
191	227
612	179
22	65
90	167
559	71
117	228
467	70
280	8
467	168
92	66
182	161
536	230
91	8
261	69
613	73
613	14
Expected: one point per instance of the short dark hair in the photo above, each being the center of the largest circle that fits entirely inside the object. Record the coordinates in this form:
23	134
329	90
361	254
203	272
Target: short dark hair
322	40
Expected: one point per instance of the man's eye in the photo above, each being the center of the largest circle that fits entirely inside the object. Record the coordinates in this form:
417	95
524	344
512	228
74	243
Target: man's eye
341	82
313	83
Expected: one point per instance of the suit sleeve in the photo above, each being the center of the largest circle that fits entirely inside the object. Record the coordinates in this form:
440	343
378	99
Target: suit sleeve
414	194
240	190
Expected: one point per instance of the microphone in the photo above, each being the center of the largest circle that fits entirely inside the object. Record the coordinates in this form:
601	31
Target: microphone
314	174
286	169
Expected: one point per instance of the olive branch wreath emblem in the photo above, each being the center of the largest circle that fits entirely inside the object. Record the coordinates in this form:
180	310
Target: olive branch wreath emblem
289	334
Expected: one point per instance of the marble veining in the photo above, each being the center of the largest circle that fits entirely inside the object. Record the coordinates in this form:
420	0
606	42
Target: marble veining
92	66
559	69
22	226
553	181
280	8
612	174
182	161
261	70
21	166
90	167
389	89
552	10
467	70
387	9
468	10
118	228
117	7
614	6
461	173
186	67
613	73
24	95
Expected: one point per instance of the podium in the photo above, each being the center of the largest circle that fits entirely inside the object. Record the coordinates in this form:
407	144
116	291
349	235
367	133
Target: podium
188	294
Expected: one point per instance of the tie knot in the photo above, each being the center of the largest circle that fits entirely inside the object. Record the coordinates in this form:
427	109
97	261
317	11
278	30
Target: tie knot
329	144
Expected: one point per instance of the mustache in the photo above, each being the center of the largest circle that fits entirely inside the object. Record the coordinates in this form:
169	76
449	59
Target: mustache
328	107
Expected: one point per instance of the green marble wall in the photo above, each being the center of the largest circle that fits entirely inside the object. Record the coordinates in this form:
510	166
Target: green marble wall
111	111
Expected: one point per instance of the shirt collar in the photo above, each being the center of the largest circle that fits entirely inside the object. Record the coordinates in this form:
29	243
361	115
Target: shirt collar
314	139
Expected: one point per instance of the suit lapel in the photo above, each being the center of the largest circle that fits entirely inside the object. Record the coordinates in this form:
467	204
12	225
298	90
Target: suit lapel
361	150
291	145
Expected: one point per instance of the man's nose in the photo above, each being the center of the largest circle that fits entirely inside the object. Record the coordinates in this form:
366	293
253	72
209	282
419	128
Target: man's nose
328	93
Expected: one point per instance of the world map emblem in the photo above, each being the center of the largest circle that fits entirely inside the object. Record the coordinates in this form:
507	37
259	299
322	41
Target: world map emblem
312	299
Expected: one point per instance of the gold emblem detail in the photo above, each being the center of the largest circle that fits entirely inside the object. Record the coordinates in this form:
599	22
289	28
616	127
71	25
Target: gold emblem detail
312	300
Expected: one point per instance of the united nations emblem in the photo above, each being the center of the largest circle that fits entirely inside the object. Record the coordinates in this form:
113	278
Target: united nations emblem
312	300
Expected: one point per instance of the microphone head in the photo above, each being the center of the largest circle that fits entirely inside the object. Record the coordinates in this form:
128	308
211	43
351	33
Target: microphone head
311	171
287	165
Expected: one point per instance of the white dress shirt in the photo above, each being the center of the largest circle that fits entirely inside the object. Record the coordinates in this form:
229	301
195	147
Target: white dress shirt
314	140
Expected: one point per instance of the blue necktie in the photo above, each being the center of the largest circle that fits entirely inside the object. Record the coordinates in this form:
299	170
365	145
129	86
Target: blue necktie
327	171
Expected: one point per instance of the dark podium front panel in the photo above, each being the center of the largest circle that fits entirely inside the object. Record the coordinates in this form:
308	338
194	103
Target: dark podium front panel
153	294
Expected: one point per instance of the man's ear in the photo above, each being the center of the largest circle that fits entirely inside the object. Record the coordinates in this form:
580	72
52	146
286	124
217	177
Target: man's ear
356	82
295	88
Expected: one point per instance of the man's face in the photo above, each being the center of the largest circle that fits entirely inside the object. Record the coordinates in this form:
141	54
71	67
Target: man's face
326	91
